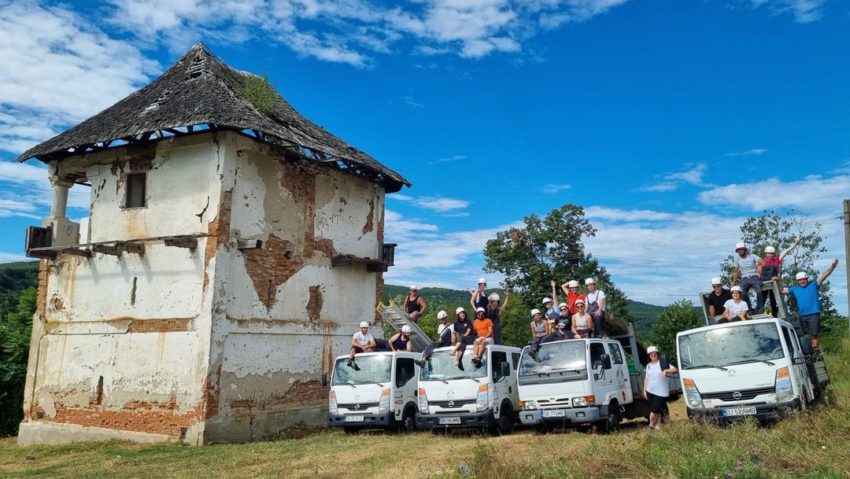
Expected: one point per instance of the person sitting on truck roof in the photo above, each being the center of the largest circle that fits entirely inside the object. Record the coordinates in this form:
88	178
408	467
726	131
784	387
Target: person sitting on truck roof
564	319
717	299
414	304
494	312
550	312
736	308
445	331
771	267
539	330
361	342
401	341
478	298
464	335
747	269
808	302
595	305
582	322
570	289
656	389
484	330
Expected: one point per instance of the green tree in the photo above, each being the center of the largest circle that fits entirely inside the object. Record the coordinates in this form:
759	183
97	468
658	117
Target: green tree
679	316
781	229
550	248
15	330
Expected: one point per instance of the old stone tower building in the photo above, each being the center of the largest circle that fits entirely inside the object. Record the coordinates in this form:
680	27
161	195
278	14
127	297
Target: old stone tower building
231	248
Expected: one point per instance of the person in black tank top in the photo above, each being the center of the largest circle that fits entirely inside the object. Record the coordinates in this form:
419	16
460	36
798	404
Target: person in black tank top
414	305
494	312
478	297
401	341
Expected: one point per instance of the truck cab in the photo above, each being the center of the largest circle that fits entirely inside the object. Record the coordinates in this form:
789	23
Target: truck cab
482	397
379	393
575	381
754	368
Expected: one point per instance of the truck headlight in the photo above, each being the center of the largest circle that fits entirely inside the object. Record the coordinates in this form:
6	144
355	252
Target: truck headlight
527	405
482	401
692	393
332	403
784	389
584	401
384	404
423	401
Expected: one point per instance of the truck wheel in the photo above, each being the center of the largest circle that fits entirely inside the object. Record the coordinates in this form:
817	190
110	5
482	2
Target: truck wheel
350	430
612	423
506	420
408	422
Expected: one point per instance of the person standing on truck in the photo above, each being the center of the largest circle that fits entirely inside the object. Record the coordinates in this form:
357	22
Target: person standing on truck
463	335
539	330
595	305
414	304
582	322
484	332
550	311
656	389
770	271
736	308
361	342
808	302
747	268
401	341
445	331
494	312
570	289
716	300
478	297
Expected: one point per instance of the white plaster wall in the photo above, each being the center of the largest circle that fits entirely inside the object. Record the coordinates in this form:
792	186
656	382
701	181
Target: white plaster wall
343	203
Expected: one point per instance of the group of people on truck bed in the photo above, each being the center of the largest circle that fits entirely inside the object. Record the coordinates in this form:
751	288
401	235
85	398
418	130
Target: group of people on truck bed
750	273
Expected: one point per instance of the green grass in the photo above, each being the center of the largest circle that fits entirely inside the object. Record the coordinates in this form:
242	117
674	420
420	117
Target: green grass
809	445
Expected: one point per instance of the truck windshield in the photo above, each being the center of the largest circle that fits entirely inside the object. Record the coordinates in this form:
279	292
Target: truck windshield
738	344
373	369
443	367
561	361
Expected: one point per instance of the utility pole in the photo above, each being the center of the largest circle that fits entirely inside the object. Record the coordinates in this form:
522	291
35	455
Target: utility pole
847	251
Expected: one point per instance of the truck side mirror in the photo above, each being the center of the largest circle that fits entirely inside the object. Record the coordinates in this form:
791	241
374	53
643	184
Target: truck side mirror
324	380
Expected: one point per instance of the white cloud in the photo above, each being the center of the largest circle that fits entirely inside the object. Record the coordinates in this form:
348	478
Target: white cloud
12	257
692	176
26	191
552	188
659	187
448	159
750	152
804	11
813	193
433	203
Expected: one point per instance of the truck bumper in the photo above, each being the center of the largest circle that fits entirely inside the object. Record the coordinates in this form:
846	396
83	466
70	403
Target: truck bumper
466	420
764	412
369	420
578	415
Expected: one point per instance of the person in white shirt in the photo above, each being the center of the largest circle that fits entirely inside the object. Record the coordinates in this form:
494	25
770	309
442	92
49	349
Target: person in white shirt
736	308
361	342
656	389
595	305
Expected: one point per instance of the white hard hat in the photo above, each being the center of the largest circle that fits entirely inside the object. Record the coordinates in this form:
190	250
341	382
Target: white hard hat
715	281
736	288
406	329
494	297
535	312
801	275
572	284
480	310
579	301
460	310
547	300
770	249
563	305
590	281
740	245
443	315
482	280
651	349
413	286
364	324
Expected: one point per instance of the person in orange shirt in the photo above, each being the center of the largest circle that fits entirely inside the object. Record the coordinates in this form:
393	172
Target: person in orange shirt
484	330
570	289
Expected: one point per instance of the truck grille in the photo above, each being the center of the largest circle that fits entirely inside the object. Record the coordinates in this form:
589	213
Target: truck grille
559	403
357	406
745	394
455	403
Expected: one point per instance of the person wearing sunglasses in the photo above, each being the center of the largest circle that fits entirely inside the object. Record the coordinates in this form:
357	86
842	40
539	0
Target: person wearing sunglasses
582	321
414	304
717	299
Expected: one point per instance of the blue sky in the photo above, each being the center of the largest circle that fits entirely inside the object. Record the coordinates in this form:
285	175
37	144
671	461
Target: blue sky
670	122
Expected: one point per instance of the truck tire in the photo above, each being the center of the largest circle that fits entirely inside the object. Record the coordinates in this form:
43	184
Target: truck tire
612	422
408	421
506	420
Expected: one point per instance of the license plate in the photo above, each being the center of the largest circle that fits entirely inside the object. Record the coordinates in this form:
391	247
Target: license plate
354	418
739	411
554	413
449	420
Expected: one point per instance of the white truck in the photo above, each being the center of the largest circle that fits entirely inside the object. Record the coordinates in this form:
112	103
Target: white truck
482	397
379	393
584	382
762	367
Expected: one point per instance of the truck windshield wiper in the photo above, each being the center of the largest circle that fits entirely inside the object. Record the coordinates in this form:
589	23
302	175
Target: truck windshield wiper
745	361
703	366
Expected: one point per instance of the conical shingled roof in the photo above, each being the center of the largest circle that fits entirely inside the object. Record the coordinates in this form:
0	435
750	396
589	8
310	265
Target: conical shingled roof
201	90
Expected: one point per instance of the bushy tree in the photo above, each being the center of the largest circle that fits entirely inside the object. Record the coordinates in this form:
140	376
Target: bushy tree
679	316
15	330
781	229
550	248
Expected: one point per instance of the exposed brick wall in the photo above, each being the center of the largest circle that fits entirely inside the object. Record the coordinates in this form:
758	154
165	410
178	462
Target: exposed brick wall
301	393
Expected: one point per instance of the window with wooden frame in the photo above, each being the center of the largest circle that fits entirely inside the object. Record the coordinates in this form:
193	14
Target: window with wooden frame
135	186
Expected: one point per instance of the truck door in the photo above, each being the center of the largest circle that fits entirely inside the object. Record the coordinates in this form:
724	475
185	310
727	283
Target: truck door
621	373
603	378
404	385
500	374
801	373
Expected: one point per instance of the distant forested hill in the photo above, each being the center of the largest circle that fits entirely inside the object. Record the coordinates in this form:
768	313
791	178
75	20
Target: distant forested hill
15	277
